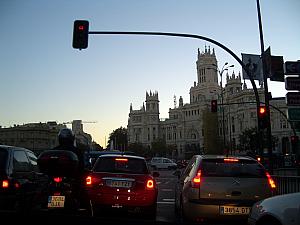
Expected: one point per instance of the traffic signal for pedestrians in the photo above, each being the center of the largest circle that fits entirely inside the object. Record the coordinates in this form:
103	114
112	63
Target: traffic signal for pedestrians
80	34
214	106
262	117
294	142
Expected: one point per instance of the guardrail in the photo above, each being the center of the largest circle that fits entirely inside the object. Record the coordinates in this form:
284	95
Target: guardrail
286	184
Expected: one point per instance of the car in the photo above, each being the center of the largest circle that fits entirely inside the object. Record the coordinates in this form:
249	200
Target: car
22	184
276	210
162	163
123	182
91	156
216	187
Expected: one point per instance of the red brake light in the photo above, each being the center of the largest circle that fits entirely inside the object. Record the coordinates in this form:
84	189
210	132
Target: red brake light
121	159
88	180
271	181
231	160
5	183
196	180
150	184
57	179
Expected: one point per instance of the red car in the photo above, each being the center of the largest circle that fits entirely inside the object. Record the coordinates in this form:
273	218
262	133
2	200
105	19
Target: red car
122	181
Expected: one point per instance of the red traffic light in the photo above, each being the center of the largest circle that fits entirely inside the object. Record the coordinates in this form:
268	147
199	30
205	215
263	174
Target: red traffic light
262	110
214	106
80	34
294	139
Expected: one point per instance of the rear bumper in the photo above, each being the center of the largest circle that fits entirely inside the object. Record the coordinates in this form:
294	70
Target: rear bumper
195	211
123	200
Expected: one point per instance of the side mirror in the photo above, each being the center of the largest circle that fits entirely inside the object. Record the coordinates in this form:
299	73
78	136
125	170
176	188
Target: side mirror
155	174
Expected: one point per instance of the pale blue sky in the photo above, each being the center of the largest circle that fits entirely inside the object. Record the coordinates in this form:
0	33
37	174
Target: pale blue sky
43	78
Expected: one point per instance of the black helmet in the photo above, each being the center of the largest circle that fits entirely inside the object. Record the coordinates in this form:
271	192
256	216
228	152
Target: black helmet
66	137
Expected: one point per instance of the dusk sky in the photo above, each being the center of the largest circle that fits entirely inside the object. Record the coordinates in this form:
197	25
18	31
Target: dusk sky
42	78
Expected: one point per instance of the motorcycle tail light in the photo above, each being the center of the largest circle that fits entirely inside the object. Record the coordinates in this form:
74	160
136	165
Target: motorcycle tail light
57	179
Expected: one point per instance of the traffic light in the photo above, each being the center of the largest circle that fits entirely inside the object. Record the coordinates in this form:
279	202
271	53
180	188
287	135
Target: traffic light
214	106
80	34
294	142
262	117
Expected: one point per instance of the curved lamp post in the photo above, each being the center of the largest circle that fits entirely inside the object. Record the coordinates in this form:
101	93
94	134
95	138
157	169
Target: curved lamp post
224	68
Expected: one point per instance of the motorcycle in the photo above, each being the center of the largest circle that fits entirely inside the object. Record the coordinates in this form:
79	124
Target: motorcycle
62	193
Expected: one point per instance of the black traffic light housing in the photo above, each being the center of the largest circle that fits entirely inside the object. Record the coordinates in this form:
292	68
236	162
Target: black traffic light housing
80	34
294	142
262	117
214	106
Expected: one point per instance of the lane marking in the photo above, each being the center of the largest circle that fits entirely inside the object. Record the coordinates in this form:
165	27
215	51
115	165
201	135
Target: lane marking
166	203
169	199
166	189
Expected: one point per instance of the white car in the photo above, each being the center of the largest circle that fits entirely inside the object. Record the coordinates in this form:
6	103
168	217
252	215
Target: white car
277	210
162	163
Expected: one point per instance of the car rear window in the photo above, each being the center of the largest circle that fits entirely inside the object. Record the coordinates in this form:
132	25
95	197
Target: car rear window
3	159
242	168
126	165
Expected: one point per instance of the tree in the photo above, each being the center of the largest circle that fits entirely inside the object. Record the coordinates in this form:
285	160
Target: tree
118	138
140	150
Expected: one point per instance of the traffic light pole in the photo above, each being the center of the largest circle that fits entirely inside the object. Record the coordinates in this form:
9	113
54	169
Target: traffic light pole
265	78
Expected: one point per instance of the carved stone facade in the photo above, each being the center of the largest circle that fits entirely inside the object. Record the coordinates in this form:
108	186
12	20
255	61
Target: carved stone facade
187	127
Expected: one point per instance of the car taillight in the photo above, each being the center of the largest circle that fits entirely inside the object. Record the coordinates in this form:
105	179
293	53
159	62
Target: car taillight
271	181
196	180
92	181
5	184
88	180
57	179
150	184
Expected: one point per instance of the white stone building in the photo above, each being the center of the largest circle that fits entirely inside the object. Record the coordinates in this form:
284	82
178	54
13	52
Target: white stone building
186	127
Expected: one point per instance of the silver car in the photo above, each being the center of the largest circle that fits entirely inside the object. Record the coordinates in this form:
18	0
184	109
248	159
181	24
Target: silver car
222	188
162	163
277	210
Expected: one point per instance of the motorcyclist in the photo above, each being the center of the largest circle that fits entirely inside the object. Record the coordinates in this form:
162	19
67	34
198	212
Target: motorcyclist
66	139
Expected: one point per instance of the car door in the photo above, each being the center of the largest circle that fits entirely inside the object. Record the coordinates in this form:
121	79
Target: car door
22	173
182	179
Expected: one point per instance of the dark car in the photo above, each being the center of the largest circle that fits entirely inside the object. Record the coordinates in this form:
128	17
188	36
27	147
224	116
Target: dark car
122	182
22	184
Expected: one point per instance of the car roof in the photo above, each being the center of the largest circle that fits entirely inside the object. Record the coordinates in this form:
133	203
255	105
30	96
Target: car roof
121	155
223	157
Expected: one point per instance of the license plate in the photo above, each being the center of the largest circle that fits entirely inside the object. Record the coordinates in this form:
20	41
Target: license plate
119	183
234	210
56	201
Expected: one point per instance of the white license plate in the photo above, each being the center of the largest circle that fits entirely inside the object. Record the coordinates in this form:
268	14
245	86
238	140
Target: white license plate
56	201
234	210
119	183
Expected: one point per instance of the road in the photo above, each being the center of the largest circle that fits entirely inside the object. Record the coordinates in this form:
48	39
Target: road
165	211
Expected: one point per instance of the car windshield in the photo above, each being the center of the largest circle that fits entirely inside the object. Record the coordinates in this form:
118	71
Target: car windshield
3	159
120	165
219	168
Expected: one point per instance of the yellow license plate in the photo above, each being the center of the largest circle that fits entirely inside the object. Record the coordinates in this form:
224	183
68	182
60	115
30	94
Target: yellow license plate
234	210
56	201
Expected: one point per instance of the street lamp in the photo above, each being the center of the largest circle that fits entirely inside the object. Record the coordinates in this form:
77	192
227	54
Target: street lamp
224	68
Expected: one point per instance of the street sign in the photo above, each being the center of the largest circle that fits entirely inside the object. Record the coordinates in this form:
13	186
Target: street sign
292	68
277	73
292	83
293	99
294	114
